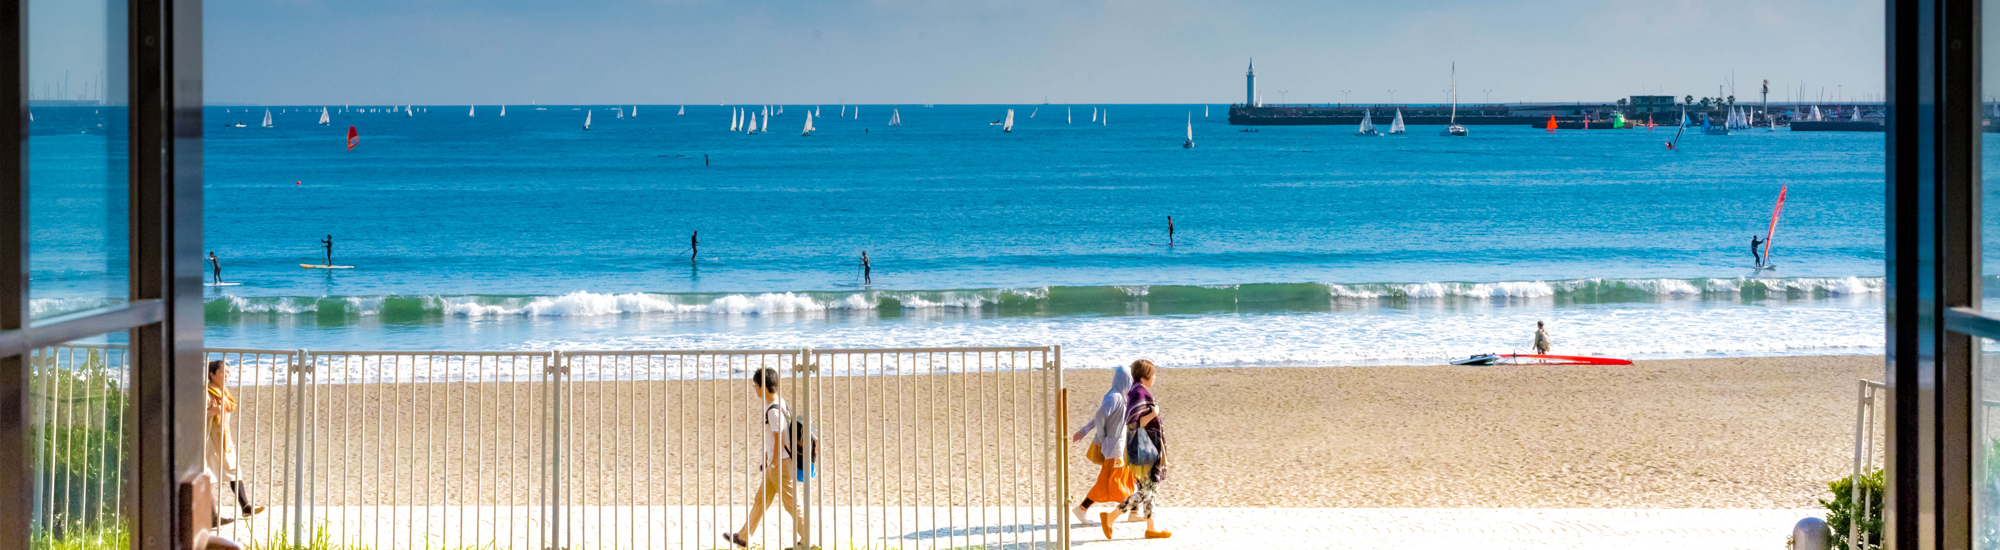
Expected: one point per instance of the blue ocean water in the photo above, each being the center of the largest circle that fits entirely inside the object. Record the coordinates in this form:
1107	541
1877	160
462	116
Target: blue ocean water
1293	245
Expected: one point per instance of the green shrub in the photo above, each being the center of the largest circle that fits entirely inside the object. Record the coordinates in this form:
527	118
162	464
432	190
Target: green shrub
1841	512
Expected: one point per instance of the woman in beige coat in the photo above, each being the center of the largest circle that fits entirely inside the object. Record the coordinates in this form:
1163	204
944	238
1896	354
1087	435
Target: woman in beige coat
220	448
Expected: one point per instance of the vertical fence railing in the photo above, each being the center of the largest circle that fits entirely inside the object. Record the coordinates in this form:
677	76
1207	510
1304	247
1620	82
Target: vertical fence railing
916	448
79	403
1866	407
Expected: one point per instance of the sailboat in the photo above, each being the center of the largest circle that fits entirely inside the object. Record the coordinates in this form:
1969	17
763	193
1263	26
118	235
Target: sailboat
684	110
1675	144
408	111
1552	124
1708	128
621	113
857	112
267	118
503	110
1189	144
1106	119
1367	128
470	110
843	111
766	126
1815	113
1008	126
735	119
1684	117
323	119
635	111
1031	114
586	120
809	126
1069	116
1773	232
1853	116
895	117
1204	111
1396	126
1454	129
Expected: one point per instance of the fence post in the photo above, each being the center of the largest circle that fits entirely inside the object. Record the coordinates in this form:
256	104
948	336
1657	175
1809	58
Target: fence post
1062	448
806	372
301	365
552	376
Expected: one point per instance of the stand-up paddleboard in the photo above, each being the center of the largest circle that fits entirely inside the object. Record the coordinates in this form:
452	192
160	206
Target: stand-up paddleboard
1537	359
318	266
220	284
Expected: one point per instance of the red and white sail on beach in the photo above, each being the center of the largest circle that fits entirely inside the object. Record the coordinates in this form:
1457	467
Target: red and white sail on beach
1775	212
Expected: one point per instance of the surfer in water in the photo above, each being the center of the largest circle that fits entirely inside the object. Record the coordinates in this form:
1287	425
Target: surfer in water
867	271
694	246
218	266
1541	339
1170	231
1755	252
328	244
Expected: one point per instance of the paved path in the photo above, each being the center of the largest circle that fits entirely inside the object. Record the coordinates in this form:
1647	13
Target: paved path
698	528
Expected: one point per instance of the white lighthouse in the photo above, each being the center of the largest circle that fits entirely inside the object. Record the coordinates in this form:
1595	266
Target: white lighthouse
1250	85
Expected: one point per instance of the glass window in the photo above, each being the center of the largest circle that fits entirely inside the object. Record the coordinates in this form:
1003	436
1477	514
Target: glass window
77	157
79	392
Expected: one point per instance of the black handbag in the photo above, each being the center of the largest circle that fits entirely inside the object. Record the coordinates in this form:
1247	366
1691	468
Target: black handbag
1140	449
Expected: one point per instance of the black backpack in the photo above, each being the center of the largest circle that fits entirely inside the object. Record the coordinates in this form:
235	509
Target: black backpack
802	441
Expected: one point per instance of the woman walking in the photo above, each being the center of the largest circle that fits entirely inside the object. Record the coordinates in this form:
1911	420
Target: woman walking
1143	418
778	465
1107	448
220	450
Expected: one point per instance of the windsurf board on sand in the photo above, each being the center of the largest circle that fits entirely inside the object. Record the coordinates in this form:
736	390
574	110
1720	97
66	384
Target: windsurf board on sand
318	266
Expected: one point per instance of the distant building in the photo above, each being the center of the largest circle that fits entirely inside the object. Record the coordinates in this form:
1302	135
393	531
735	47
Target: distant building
1648	104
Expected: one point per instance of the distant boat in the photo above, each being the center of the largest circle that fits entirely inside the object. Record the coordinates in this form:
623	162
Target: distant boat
503	110
1067	114
470	110
1396	126
586	120
635	111
735	119
621	112
684	110
1189	144
1093	114
843	111
857	112
267	118
1454	129
1815	113
1854	116
1367	128
895	117
323	118
1204	111
1711	129
766	126
1106	119
1552	124
1008	127
809	125
1031	114
408	111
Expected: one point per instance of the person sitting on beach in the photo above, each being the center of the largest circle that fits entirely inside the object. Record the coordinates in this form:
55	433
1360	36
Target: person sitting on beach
777	465
1541	339
1107	448
1143	414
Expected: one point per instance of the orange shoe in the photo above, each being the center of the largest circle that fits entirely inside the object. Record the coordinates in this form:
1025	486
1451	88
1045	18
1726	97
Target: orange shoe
1105	519
1151	534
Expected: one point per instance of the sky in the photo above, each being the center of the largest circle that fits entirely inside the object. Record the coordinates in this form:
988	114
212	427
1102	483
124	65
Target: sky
1025	51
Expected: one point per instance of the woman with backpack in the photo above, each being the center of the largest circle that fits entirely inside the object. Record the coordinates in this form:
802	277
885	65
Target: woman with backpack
1107	448
1143	421
778	464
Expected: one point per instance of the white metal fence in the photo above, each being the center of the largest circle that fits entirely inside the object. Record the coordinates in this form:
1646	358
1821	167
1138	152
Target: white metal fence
918	448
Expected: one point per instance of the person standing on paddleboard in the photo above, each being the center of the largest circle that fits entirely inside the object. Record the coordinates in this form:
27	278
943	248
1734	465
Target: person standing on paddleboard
1541	339
1170	231
867	271
694	246
1755	252
328	244
218	266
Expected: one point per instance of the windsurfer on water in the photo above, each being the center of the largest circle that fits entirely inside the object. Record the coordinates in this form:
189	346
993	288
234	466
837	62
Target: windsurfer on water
1755	252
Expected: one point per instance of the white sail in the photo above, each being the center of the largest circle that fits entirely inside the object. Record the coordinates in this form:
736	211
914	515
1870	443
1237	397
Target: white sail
1190	127
621	113
1204	111
1367	124
735	119
1008	126
1106	119
1856	115
267	118
766	127
1815	112
409	111
503	110
895	117
635	111
1031	114
1396	126
843	111
684	110
323	118
471	110
1068	115
809	125
857	112
1093	114
586	120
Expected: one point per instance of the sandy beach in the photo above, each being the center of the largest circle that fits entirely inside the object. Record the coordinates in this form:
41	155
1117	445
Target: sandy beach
1707	433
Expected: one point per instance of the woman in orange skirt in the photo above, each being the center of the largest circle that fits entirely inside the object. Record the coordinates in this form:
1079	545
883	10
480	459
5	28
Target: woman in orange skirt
1115	482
